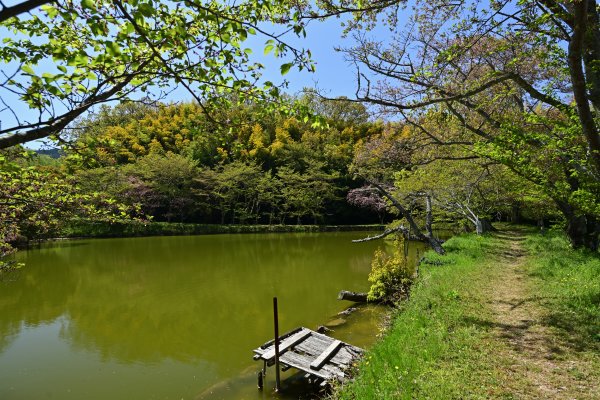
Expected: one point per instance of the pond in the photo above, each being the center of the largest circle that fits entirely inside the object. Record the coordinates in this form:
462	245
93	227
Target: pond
172	317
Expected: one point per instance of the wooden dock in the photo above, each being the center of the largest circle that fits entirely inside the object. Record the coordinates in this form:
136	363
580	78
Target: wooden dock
321	357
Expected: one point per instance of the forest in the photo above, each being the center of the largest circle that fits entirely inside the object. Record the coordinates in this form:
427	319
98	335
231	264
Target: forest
468	117
492	118
170	163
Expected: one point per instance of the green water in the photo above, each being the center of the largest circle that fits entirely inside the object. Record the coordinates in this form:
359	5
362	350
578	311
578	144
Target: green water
170	317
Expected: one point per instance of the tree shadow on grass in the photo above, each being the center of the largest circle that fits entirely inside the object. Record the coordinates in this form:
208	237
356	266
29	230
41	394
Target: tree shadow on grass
578	327
516	335
573	329
516	304
509	238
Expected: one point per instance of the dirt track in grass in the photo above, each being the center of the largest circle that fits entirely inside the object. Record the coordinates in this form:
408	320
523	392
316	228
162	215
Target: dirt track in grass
533	360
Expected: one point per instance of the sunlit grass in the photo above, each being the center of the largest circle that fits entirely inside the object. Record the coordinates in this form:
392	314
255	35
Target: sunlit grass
570	286
434	327
441	345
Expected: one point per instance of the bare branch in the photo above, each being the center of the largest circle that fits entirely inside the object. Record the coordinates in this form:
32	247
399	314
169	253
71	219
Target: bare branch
385	233
26	6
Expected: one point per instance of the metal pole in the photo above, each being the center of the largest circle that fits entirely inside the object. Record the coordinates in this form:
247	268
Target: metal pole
276	322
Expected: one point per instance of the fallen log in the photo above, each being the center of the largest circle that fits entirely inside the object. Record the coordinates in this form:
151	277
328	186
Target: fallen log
347	311
404	231
352	296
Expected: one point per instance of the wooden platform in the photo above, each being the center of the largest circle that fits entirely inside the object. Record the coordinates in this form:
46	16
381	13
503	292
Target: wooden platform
320	356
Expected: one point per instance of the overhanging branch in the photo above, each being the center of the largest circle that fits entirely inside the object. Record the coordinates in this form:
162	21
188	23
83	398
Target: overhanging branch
26	6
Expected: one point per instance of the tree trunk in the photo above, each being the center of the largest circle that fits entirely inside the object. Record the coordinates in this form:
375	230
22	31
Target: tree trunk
478	226
583	231
435	244
591	57
584	34
541	225
486	225
352	296
428	216
515	214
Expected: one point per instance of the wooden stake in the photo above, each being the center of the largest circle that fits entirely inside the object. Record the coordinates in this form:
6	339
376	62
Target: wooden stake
276	322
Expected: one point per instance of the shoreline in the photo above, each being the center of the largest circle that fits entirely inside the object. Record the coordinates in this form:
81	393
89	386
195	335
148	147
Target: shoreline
94	230
461	333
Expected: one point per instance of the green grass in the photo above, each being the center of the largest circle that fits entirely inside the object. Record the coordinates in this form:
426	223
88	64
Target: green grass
441	344
435	327
569	284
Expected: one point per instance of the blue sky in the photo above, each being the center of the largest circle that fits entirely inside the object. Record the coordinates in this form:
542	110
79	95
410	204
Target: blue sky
334	76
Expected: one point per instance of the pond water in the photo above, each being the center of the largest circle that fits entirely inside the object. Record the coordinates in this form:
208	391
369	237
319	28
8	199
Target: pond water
172	317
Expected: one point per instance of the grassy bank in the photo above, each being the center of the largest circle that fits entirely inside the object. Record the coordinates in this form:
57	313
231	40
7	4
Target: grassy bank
569	283
89	229
453	339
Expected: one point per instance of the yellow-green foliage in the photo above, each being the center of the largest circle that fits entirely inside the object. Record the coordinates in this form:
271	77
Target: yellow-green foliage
390	277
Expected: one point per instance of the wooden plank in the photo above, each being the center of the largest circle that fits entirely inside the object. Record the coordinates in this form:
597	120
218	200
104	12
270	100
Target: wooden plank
313	353
284	336
319	361
287	343
302	363
313	344
343	357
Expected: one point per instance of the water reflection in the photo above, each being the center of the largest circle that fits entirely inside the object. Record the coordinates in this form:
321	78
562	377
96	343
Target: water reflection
167	317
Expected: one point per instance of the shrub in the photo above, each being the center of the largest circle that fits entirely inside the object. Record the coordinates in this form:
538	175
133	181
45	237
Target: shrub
390	276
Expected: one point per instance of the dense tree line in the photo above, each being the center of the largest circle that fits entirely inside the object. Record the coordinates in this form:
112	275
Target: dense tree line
170	162
514	83
180	165
432	186
494	97
38	196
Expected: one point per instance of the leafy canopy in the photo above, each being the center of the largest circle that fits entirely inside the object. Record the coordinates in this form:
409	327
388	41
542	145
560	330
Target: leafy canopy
71	55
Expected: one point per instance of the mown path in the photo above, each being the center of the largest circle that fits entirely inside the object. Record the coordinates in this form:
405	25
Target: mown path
532	358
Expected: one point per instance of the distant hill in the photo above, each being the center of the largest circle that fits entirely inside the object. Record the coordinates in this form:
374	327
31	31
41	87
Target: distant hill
53	153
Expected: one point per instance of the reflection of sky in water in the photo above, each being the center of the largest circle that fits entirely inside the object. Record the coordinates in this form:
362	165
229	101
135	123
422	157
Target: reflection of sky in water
167	317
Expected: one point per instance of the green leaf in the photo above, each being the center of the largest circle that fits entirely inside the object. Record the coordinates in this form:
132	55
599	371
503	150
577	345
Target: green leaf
54	90
81	59
113	49
48	77
96	28
285	68
268	49
128	28
88	4
27	69
51	11
146	9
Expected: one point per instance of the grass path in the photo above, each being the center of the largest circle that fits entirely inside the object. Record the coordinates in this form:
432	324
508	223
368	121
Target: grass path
513	315
537	362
